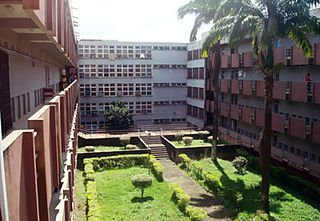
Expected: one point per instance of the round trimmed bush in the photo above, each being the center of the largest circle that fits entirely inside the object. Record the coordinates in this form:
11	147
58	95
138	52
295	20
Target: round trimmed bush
89	148
203	134
240	163
141	181
124	140
131	147
187	140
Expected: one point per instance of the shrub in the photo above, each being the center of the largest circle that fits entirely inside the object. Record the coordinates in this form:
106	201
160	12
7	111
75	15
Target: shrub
187	140
124	140
185	161
203	134
89	148
131	147
195	213
178	137
156	168
179	196
141	181
196	169
92	201
240	163
88	169
211	182
210	139
120	161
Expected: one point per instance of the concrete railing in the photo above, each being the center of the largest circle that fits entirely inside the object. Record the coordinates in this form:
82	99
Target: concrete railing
32	159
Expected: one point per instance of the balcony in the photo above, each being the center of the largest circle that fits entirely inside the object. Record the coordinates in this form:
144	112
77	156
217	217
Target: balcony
248	87
234	86
245	115
45	27
298	57
235	60
278	123
298	91
279	56
224	109
260	118
247	59
224	61
276	153
316	92
224	86
33	159
234	113
316	132
260	89
279	90
297	127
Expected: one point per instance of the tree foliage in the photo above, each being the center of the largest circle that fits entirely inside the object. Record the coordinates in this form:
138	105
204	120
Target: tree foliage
118	116
141	181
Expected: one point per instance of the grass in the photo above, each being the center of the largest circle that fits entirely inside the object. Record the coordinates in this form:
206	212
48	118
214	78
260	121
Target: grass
79	213
285	203
101	148
119	200
195	143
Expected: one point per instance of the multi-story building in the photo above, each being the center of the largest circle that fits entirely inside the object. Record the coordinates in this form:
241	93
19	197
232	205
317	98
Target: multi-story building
196	83
149	77
38	117
296	116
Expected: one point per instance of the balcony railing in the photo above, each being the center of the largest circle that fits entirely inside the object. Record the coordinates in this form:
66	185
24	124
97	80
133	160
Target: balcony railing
33	159
235	60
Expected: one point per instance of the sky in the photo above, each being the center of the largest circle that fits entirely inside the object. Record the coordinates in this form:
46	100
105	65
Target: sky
133	20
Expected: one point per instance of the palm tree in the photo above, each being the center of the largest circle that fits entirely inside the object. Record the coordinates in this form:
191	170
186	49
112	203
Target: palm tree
264	21
205	12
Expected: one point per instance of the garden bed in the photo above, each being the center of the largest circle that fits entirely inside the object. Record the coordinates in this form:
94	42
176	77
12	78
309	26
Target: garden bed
241	193
195	143
110	194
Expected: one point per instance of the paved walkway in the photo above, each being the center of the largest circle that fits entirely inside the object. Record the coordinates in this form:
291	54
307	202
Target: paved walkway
199	197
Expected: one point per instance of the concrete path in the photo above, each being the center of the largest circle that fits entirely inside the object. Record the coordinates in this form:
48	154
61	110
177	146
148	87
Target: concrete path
199	197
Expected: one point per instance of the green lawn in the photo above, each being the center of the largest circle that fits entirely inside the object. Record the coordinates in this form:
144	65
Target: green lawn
118	199
285	203
79	213
195	143
101	148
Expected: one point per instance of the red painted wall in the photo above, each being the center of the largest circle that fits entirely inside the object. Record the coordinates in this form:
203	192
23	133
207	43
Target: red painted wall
297	127
278	90
235	60
298	91
278	122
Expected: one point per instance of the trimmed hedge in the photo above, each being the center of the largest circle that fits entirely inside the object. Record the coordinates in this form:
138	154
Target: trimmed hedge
182	200
156	168
187	140
93	209
179	196
195	213
203	134
185	160
120	161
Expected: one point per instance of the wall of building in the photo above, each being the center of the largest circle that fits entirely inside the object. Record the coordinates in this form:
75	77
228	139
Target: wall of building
118	67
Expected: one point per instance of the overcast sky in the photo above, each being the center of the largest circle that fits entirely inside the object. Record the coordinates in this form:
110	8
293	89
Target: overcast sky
133	20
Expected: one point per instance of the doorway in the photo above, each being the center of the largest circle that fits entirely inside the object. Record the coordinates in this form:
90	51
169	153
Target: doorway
5	106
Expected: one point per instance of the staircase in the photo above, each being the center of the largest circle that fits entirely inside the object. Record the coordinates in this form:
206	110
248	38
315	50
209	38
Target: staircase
157	148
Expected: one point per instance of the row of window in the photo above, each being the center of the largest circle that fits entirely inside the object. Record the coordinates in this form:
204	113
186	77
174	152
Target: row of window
195	92
109	90
169	84
169	102
194	55
130	48
195	112
283	146
195	73
94	109
104	70
167	120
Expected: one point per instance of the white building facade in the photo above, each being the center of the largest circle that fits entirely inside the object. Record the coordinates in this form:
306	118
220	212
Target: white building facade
150	78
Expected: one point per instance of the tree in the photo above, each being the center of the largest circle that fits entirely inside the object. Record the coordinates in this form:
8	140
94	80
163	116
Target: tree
205	11
263	21
118	116
141	181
